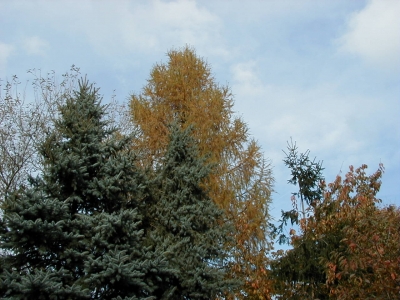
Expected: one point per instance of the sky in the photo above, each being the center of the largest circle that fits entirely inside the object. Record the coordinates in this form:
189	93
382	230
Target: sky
325	74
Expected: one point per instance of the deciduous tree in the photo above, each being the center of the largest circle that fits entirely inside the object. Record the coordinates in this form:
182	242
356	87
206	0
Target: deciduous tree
184	91
347	247
26	115
366	265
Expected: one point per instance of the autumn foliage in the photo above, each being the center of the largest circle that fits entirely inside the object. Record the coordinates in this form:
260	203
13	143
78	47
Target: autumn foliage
191	167
350	244
183	91
367	264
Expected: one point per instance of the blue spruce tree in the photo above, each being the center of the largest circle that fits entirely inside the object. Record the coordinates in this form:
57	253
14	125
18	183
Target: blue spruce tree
187	224
76	232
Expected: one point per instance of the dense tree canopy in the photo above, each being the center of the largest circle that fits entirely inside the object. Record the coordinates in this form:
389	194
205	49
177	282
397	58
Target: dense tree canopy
347	247
366	265
174	204
94	226
75	232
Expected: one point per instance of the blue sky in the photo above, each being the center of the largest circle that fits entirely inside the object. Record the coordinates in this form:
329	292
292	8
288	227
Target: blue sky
324	73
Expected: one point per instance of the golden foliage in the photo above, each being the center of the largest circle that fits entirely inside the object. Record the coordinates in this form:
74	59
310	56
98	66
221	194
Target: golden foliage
184	91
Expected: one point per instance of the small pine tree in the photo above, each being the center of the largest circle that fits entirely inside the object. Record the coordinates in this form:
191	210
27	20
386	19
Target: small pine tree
298	272
186	221
76	232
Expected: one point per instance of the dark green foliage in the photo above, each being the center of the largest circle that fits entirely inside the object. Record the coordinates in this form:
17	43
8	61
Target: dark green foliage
188	223
307	175
298	272
93	226
76	232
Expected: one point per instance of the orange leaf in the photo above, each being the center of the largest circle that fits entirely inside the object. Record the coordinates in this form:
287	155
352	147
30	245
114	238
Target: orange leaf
352	246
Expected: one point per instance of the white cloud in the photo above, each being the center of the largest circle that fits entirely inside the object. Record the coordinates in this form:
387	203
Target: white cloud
374	34
5	52
115	29
173	24
322	117
340	127
35	45
245	73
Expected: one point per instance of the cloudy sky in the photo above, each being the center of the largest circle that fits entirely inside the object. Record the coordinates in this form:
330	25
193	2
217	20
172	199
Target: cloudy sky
324	73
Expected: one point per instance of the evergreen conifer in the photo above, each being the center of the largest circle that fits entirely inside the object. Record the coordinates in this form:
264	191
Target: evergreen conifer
76	231
188	224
